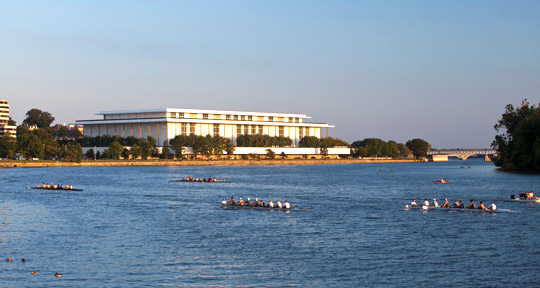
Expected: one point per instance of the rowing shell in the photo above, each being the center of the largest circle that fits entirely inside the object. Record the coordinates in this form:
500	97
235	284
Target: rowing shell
62	189
218	181
450	209
232	207
537	199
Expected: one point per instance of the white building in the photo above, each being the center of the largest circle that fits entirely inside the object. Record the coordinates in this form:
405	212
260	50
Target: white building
165	124
5	128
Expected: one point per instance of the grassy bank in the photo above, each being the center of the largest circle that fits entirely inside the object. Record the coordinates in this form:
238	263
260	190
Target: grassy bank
88	163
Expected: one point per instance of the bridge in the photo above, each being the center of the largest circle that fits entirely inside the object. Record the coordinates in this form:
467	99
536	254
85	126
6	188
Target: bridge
463	154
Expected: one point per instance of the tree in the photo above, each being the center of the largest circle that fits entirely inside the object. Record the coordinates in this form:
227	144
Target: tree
309	141
152	142
217	144
391	149
369	147
418	147
518	141
333	142
71	152
178	145
125	153
98	155
8	146
145	149
12	122
165	150
324	151
229	147
115	149
135	151
30	146
39	118
271	154
90	154
403	150
62	132
202	146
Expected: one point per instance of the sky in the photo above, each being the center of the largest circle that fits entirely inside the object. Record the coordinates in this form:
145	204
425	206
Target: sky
442	71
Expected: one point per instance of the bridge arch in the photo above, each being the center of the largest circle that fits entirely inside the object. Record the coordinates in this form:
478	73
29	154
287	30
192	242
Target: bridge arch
463	154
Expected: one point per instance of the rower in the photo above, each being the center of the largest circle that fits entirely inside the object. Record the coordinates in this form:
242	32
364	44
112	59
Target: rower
287	205
224	202
241	202
481	206
492	206
413	203
471	205
279	205
261	203
270	204
435	203
248	202
530	195
232	202
456	204
37	186
426	202
445	204
461	205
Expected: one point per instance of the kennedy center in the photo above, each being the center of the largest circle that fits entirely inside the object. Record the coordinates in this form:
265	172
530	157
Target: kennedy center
165	124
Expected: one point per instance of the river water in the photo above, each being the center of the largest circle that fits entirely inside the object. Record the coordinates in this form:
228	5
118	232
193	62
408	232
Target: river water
134	227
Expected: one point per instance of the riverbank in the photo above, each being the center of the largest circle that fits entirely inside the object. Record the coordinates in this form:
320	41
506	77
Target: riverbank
90	163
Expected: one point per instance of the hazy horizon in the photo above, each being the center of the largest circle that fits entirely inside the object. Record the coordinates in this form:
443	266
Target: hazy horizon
395	70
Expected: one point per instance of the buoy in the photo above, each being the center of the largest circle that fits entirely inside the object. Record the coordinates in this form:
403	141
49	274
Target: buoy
33	273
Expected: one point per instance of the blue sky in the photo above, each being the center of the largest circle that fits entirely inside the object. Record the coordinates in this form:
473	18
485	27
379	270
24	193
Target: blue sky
442	71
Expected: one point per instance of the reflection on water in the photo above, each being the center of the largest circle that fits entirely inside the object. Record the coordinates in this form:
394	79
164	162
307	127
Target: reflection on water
134	227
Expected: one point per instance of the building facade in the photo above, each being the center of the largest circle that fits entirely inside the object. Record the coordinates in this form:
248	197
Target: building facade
165	124
5	128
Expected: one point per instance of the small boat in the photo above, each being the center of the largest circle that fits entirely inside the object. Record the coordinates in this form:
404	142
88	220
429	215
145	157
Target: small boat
57	188
521	199
443	181
201	181
452	209
237	206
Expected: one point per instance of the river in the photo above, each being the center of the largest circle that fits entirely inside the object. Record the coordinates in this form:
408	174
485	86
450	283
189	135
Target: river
135	227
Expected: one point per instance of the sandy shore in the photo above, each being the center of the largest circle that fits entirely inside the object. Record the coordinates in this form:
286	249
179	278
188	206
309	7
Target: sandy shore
88	163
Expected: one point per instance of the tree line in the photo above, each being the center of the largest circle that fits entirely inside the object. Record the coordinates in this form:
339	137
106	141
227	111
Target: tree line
518	141
374	147
45	142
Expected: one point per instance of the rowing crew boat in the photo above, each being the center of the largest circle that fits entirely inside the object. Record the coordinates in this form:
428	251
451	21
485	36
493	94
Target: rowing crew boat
235	206
63	189
537	200
219	181
450	209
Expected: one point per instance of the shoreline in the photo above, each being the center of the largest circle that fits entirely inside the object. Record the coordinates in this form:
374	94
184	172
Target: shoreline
97	163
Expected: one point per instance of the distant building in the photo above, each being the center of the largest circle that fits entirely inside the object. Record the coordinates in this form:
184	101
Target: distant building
165	124
5	128
70	130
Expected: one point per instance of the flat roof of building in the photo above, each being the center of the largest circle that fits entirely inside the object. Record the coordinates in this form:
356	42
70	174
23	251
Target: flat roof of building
177	110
